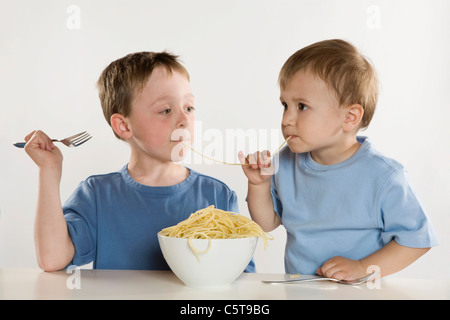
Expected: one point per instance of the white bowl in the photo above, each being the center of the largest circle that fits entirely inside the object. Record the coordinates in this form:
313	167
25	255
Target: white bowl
225	260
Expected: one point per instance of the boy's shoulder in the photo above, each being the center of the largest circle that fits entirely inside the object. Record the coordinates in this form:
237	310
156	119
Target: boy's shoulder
377	159
103	177
101	181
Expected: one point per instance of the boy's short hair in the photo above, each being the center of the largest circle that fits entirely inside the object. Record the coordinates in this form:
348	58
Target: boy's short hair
340	65
124	78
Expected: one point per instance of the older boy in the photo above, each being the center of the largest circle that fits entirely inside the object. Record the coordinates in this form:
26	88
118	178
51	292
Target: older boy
344	205
112	219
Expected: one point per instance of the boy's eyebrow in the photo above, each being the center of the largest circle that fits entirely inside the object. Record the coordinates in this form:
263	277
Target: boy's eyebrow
162	98
299	99
189	95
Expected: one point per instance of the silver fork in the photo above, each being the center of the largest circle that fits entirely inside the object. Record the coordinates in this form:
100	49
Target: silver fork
320	278
72	141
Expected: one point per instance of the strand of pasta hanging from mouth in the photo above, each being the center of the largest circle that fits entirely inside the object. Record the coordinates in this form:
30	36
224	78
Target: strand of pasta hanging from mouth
228	163
212	223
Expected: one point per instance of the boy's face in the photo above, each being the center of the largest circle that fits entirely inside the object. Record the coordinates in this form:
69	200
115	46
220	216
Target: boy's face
165	104
312	115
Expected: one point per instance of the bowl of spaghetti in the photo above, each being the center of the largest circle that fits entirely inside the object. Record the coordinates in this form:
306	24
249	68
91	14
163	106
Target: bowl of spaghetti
211	248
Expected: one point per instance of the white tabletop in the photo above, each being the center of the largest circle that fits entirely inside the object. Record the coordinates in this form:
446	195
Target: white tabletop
127	284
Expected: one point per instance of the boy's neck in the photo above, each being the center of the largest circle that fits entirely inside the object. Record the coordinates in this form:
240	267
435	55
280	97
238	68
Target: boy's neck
156	173
337	152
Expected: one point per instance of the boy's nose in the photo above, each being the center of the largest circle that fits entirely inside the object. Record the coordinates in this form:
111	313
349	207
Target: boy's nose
289	117
182	120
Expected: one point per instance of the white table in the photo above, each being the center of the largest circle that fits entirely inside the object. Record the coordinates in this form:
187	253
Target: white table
164	285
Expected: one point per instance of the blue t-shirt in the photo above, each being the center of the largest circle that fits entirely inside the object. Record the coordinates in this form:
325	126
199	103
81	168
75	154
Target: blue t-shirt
114	220
350	209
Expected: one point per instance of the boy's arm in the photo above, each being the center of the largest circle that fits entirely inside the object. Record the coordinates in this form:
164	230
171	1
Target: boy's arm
389	259
259	198
393	258
54	247
260	206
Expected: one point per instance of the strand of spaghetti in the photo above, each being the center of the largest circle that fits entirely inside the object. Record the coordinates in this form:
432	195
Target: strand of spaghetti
229	163
197	252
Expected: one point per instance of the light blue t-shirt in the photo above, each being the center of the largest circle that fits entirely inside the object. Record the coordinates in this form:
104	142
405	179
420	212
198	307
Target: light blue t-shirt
349	209
114	220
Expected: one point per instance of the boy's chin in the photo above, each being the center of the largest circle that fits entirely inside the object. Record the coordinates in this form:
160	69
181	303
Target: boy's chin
297	149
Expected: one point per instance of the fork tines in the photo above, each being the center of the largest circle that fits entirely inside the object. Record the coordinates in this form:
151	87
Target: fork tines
80	139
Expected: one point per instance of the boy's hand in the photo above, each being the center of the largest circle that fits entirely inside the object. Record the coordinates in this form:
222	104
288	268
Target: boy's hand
42	151
258	166
342	269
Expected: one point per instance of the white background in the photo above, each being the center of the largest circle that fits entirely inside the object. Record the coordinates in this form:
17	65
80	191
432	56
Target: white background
51	57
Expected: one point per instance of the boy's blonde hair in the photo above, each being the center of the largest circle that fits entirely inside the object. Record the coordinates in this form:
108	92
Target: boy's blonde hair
124	78
340	65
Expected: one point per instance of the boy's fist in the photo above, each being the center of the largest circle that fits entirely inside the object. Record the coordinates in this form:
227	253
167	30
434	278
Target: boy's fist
42	151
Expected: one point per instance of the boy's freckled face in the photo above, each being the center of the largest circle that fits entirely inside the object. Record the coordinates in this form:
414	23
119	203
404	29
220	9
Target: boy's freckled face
312	115
166	103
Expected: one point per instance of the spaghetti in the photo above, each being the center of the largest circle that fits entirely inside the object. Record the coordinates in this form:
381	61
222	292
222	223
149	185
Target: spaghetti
212	223
228	163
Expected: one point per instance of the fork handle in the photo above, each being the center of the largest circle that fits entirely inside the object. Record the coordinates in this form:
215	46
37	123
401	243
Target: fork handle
22	144
299	280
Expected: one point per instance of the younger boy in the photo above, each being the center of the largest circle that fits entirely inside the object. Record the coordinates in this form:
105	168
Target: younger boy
344	205
113	219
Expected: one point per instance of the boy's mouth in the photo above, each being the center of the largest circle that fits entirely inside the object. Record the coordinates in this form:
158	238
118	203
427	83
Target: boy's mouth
180	135
181	139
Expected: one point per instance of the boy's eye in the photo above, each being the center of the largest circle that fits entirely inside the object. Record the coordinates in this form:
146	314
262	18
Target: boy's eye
190	109
165	111
284	104
302	107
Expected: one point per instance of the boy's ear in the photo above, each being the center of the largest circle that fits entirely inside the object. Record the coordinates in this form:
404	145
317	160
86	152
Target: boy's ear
353	117
120	126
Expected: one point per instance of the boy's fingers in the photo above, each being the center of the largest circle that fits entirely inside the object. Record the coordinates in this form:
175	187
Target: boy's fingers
253	160
265	159
331	269
39	139
319	271
257	160
322	270
28	136
241	157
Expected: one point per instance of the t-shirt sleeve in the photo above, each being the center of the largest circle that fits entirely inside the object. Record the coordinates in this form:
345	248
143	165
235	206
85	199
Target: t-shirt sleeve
80	214
403	217
233	204
277	206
